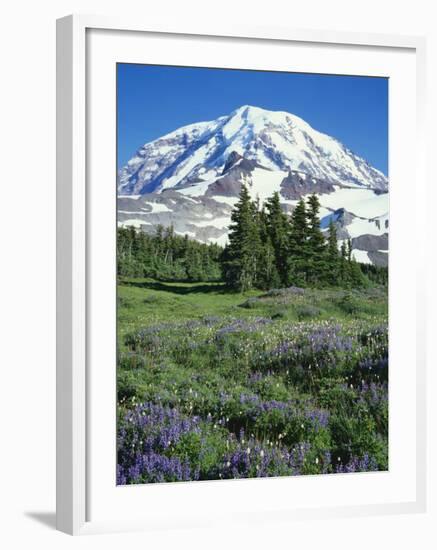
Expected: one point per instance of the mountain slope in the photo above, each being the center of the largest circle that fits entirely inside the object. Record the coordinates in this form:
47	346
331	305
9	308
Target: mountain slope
275	140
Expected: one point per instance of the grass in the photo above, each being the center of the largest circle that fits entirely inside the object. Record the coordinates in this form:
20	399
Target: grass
145	302
214	384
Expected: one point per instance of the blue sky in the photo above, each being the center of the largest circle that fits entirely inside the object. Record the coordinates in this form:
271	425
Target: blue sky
155	100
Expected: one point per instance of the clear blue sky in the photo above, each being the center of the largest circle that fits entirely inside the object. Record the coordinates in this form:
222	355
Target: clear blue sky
155	100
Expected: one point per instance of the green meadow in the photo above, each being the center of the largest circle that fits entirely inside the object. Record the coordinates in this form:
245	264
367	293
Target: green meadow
144	302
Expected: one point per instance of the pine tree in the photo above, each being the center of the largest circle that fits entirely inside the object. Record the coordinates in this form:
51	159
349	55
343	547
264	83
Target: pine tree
165	255
343	265
268	276
316	265
333	257
242	254
298	245
349	251
194	265
350	272
355	274
277	228
357	277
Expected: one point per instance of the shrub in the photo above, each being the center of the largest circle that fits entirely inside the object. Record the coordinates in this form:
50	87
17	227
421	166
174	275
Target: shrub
279	314
348	304
307	312
250	303
290	291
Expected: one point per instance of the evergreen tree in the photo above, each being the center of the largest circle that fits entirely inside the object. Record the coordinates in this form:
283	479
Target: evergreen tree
242	255
350	273
375	274
355	275
316	264
298	245
268	276
265	250
262	224
277	229
333	257
164	255
349	251
343	265
194	265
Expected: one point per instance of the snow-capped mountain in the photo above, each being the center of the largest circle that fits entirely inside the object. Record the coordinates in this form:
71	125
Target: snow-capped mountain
275	140
192	177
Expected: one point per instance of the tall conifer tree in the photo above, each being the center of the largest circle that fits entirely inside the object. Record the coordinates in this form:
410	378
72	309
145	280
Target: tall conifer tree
316	242
333	256
242	254
267	276
343	265
277	227
298	245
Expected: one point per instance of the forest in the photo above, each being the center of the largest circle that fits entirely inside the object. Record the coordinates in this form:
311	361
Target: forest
166	256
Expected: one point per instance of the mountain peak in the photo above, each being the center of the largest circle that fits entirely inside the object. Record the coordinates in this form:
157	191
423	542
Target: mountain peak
275	140
246	110
252	121
251	113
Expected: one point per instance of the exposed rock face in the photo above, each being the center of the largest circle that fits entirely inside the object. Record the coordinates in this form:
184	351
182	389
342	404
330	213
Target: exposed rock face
378	258
371	243
201	218
376	247
298	184
371	246
236	172
341	219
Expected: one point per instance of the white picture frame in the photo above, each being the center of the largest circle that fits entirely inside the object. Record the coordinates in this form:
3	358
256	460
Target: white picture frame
75	216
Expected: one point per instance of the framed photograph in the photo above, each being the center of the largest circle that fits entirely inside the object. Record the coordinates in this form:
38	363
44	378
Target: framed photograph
240	275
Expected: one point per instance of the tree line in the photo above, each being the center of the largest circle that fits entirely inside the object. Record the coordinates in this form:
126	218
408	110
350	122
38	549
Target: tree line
165	255
268	249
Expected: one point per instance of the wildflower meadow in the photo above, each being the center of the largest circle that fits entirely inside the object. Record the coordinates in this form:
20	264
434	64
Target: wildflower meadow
218	385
